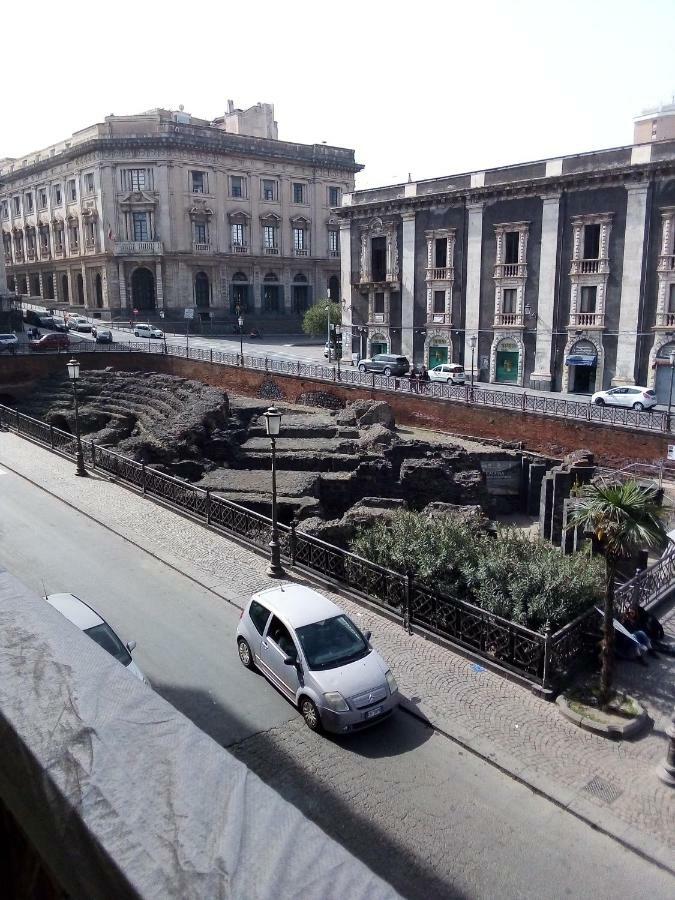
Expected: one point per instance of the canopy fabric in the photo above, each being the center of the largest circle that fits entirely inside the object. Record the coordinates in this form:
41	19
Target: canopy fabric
581	360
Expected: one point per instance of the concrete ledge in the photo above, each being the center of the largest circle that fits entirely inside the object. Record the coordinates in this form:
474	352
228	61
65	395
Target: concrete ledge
615	730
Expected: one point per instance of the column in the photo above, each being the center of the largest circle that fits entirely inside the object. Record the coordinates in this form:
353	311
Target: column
159	285
3	275
408	285
346	287
123	285
474	242
540	378
257	296
631	281
85	286
41	283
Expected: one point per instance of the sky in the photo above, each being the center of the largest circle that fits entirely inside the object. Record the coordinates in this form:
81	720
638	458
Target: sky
421	88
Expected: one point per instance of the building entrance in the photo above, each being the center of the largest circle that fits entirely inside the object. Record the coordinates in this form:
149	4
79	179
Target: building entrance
438	356
143	289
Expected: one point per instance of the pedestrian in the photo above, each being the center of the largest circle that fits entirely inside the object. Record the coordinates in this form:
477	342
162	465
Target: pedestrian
413	380
424	377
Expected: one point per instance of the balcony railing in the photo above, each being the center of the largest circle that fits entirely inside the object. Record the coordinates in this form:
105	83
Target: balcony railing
44	252
201	248
18	256
300	251
439	273
436	318
510	270
509	320
59	252
667	262
271	251
30	253
90	245
587	320
145	248
665	320
590	266
74	248
240	248
334	254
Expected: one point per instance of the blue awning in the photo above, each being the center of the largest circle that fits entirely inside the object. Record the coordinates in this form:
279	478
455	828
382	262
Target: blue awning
581	360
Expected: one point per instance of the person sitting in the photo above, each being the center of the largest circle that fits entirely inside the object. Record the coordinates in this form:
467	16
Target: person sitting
631	623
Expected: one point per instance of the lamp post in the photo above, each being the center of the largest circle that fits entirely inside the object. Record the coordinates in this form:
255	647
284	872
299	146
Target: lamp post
670	395
328	331
240	323
473	340
74	373
273	426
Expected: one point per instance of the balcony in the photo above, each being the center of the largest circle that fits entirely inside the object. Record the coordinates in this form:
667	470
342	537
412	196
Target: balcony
590	266
299	251
202	248
271	251
438	318
378	318
667	263
509	320
587	320
59	252
334	254
90	245
30	253
137	248
510	270
74	248
440	273
239	248
18	256
45	252
666	321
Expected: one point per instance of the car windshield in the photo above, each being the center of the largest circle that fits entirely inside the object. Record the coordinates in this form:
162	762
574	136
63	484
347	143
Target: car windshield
105	637
332	643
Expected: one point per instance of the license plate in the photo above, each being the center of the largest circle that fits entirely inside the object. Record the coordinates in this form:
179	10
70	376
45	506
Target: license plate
373	712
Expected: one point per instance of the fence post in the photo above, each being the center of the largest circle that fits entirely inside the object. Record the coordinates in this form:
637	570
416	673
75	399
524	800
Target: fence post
51	436
211	351
93	455
293	541
208	506
143	476
407	602
547	642
523	401
373	379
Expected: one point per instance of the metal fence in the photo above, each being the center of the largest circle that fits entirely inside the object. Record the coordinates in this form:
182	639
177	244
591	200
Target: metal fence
550	406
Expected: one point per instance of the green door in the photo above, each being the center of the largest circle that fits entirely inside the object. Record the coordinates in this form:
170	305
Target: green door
438	356
377	347
507	366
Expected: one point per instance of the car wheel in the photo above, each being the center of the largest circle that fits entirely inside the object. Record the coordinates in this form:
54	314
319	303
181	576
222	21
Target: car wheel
387	372
362	368
245	654
599	402
311	715
638	407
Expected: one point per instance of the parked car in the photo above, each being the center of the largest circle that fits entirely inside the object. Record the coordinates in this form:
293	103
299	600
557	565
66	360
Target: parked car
59	324
79	323
51	341
450	373
88	620
317	657
386	363
102	335
635	397
8	342
37	317
148	331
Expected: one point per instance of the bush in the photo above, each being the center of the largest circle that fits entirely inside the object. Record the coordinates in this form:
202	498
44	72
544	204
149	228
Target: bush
528	582
315	321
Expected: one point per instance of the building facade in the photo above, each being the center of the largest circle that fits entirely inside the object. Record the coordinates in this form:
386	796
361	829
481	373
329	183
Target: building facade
162	211
562	271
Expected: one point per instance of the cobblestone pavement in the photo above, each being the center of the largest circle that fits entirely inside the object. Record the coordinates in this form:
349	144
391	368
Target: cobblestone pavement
611	784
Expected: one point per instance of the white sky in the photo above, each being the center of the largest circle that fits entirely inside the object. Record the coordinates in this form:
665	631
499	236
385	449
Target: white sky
429	88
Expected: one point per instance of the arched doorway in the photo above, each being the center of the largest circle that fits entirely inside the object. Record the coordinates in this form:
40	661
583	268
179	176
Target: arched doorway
202	290
378	344
34	285
582	363
80	288
300	294
239	293
271	293
49	286
507	359
664	373
334	288
65	291
143	288
23	284
98	289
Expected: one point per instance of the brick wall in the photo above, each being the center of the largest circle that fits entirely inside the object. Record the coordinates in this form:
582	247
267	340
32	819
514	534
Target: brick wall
611	446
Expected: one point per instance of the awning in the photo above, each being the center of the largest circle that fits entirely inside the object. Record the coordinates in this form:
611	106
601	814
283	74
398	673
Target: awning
581	360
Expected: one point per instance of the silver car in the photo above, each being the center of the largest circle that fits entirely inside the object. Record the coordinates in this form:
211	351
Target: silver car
317	657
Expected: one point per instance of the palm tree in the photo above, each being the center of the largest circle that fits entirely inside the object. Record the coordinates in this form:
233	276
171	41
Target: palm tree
623	518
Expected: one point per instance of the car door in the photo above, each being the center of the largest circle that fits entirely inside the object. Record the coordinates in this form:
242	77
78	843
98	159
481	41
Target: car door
619	396
276	645
259	616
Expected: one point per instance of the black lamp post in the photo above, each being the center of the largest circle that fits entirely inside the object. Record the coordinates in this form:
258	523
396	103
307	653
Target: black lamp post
273	426
74	373
670	395
328	331
473	340
240	323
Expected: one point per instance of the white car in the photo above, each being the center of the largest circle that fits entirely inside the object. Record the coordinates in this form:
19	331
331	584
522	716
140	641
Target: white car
148	331
8	341
450	373
78	323
638	398
89	621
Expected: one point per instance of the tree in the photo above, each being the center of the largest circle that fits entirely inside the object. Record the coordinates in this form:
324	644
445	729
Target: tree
622	517
315	321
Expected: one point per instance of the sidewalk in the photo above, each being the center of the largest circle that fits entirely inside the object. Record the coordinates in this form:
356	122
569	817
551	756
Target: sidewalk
610	784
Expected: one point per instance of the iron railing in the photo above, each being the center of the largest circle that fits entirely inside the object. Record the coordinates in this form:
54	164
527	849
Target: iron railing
543	659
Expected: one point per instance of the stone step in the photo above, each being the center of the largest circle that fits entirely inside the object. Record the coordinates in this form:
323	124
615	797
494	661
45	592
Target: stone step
301	462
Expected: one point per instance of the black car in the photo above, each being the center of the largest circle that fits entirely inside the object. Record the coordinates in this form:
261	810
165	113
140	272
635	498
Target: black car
386	363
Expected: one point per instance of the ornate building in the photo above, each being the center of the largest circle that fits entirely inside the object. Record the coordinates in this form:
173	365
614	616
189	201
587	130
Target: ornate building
161	211
562	269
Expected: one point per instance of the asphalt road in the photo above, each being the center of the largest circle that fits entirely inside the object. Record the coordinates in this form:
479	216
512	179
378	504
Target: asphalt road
425	814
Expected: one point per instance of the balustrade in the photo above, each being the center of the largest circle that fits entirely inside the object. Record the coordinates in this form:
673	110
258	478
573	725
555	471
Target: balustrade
439	273
201	248
510	270
667	262
509	319
587	320
590	266
665	320
240	248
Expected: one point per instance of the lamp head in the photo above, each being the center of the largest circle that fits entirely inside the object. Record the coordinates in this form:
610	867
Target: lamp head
273	421
473	340
73	369
672	358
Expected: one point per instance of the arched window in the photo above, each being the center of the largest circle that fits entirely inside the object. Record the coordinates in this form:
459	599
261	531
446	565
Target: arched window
334	288
80	288
299	294
49	286
98	287
65	291
239	293
271	293
202	290
143	288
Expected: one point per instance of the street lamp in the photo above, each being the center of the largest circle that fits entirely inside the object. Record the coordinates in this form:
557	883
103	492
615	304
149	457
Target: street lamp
328	330
670	395
273	426
240	322
74	373
473	340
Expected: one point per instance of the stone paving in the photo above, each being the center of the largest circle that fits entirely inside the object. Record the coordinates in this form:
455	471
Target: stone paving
611	784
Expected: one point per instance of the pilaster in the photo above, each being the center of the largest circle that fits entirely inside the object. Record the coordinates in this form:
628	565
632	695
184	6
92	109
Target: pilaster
631	282
408	285
541	377
474	243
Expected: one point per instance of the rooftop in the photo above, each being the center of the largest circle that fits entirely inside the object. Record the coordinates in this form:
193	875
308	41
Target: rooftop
298	605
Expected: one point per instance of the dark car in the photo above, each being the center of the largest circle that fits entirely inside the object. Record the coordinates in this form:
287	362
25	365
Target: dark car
102	335
52	341
386	363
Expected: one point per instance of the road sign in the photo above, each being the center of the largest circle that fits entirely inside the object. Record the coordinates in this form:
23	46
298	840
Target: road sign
135	312
671	451
189	313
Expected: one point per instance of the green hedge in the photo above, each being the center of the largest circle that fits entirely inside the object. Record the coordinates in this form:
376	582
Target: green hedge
528	582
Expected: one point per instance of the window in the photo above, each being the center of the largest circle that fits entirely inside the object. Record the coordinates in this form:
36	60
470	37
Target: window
333	196
671	299
509	300
333	642
16	203
379	303
298	238
333	240
199	184
134	179
587	302
201	236
89	183
439	302
441	253
58	195
29	202
42	198
591	242
269	236
298	193
379	258
72	191
140	224
4	209
281	636
236	186
511	245
269	189
238	238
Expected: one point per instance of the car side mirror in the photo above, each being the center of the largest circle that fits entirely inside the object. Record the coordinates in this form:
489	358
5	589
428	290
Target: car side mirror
131	646
289	661
368	636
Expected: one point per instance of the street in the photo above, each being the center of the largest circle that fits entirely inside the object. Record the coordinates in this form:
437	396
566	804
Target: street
426	815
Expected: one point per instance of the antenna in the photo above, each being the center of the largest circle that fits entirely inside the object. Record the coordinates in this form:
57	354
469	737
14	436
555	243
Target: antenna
44	589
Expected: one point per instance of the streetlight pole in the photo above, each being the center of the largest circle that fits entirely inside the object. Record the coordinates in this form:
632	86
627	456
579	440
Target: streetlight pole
273	426
74	373
473	340
670	395
328	330
240	323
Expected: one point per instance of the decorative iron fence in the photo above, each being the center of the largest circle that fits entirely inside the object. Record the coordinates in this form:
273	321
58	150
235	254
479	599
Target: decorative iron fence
545	659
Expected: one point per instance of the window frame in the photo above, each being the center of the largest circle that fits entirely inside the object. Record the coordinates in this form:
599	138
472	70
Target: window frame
204	189
303	193
263	190
242	187
338	193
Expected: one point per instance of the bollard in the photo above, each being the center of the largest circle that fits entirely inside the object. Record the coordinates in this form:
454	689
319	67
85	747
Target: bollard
666	771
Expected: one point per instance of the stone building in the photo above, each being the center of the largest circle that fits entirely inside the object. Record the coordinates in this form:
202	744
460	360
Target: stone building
563	270
161	211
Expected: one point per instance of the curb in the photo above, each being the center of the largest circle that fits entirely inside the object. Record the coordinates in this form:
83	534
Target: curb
614	732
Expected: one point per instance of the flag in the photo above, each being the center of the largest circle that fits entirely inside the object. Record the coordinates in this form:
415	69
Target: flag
111	234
